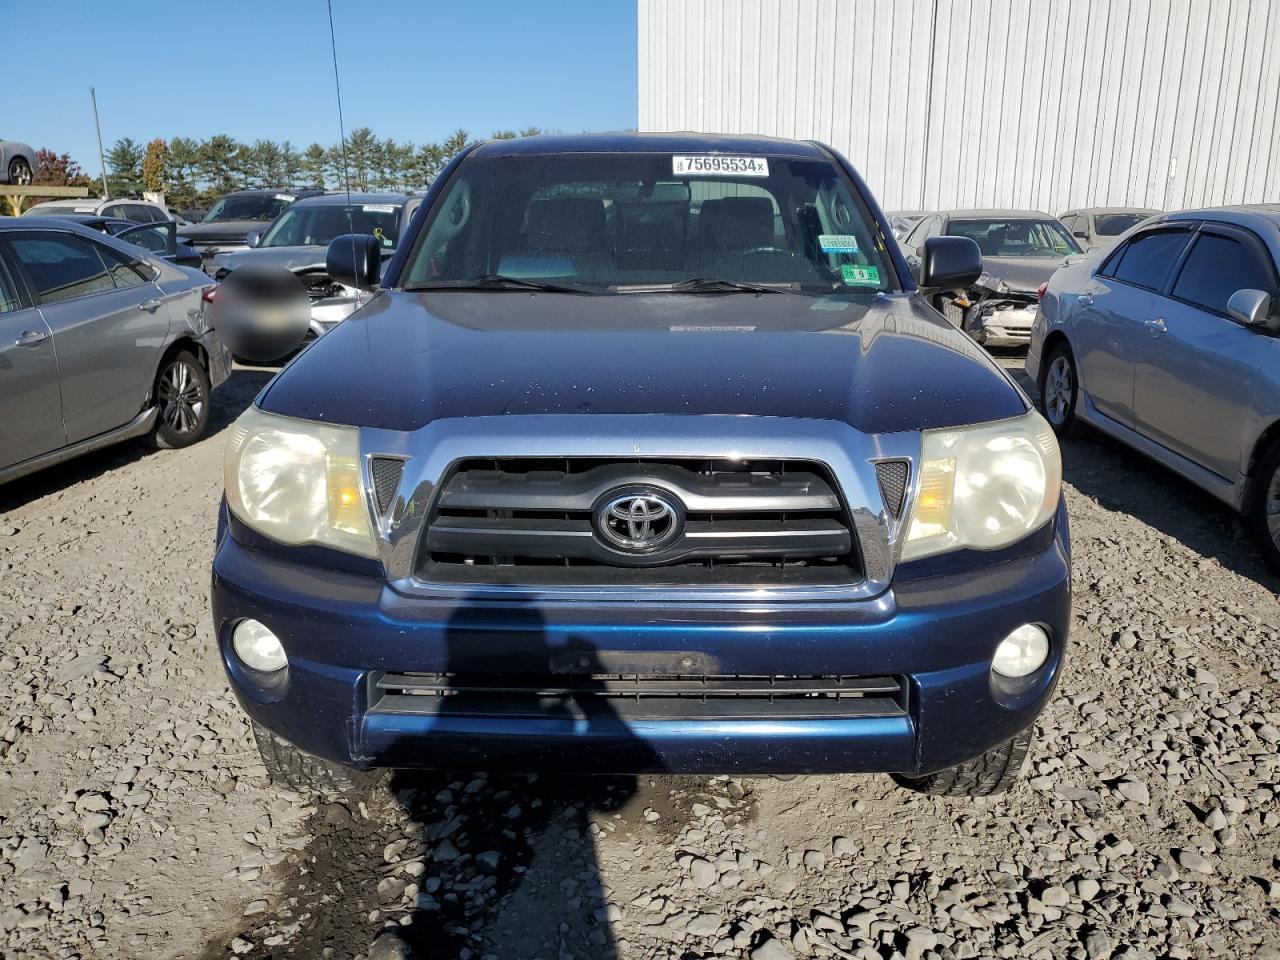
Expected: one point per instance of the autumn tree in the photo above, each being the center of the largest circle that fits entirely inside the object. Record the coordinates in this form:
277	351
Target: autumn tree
154	163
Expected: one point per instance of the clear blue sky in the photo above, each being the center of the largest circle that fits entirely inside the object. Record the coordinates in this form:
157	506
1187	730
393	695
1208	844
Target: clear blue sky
410	70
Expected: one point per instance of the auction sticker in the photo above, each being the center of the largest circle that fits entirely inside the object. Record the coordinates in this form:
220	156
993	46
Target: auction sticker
837	243
379	208
710	165
859	276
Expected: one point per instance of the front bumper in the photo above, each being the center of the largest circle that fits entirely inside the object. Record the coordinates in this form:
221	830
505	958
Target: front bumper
1003	325
936	628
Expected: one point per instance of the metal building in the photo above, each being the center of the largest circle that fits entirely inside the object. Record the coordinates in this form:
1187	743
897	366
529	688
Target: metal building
1049	104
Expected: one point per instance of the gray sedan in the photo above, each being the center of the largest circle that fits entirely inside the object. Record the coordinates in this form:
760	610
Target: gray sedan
1170	342
17	162
99	342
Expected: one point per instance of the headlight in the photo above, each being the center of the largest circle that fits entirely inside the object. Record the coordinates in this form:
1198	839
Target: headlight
984	487
298	481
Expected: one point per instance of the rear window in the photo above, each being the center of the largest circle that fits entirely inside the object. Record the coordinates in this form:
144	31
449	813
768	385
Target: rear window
1114	224
1216	268
1020	237
256	206
1148	259
608	221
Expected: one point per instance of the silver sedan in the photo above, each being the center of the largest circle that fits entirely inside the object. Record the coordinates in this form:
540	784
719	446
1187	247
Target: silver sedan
1170	342
99	342
17	162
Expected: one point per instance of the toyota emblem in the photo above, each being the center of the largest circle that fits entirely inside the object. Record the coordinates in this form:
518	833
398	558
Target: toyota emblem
638	520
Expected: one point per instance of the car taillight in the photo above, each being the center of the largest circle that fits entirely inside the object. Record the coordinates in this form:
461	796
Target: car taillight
209	295
1040	291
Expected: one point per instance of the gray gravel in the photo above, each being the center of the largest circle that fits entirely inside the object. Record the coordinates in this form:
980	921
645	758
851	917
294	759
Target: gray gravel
136	821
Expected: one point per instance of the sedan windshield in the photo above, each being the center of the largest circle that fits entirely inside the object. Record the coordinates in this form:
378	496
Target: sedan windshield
651	223
255	206
1016	238
1114	224
316	225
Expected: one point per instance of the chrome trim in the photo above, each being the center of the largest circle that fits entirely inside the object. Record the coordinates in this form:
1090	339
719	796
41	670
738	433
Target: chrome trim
848	454
134	428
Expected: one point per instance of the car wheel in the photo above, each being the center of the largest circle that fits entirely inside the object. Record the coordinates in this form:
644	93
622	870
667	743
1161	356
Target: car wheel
994	772
1059	390
182	396
1264	513
296	770
20	172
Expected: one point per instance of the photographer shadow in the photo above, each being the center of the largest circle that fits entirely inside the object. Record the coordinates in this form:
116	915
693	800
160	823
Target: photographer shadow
513	850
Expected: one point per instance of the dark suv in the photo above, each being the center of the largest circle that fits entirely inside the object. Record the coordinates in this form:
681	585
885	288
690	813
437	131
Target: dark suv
229	222
646	455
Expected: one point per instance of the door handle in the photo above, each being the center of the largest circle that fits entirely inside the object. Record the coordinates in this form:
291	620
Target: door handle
1085	299
150	305
31	338
1156	325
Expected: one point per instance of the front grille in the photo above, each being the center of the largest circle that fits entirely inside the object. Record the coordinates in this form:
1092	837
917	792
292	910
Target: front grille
638	696
530	522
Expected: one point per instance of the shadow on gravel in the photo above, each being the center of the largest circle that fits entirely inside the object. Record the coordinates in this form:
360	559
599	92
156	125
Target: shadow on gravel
1124	480
440	865
229	401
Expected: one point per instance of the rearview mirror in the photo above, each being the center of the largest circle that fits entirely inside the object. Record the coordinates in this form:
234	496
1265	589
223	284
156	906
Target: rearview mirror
253	237
1252	308
949	263
355	260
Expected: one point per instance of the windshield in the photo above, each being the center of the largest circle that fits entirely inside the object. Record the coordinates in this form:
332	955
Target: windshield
1016	238
40	210
315	225
253	206
1114	224
605	222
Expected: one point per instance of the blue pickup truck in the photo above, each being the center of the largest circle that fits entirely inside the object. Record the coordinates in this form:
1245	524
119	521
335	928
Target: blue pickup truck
645	455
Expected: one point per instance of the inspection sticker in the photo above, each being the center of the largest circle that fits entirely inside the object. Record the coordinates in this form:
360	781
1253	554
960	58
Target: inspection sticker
710	165
857	275
837	243
379	208
288	197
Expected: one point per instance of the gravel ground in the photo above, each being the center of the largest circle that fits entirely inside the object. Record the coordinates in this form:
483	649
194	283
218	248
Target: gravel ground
136	820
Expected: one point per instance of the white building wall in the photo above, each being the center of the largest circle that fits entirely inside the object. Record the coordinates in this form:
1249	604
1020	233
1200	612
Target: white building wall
1048	104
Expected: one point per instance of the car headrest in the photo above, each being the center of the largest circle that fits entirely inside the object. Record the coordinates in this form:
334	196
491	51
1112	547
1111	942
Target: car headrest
736	223
574	224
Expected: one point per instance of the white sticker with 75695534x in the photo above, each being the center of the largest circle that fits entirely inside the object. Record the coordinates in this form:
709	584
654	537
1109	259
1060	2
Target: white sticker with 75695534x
711	165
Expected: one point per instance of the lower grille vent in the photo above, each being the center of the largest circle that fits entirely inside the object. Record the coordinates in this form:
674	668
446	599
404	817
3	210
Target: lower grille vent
636	696
386	473
892	475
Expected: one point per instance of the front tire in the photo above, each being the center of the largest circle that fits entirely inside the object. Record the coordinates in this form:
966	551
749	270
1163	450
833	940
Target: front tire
291	768
1060	390
20	172
1264	512
182	394
994	772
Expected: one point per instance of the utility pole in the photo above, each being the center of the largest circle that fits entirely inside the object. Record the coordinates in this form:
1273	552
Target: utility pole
106	193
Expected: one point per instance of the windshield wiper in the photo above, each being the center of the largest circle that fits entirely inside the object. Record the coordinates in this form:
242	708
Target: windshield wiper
497	281
703	285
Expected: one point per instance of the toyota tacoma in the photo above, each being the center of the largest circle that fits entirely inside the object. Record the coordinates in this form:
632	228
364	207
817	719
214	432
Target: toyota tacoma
647	454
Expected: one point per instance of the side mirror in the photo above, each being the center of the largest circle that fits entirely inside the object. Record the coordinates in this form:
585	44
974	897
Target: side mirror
949	263
253	238
1252	308
355	260
1080	234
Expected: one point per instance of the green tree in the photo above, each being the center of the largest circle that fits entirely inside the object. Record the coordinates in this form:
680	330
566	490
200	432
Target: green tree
290	164
530	132
314	166
454	143
218	163
503	135
262	164
183	161
124	166
154	162
362	157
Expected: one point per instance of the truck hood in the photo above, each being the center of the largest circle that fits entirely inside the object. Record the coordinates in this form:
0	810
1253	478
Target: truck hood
881	364
221	231
291	258
1022	274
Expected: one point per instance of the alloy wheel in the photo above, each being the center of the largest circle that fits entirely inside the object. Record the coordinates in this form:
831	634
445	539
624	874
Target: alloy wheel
1059	388
181	398
20	174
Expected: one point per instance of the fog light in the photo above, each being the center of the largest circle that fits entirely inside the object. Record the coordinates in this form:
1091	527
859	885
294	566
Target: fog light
1022	652
258	647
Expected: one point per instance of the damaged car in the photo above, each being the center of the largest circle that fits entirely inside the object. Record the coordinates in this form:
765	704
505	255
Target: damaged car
1021	249
299	238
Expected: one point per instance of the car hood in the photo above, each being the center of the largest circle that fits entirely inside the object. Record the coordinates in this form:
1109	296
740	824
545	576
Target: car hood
225	231
1022	274
882	364
291	258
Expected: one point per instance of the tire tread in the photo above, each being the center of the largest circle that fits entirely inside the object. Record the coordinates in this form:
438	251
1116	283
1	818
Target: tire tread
991	773
300	772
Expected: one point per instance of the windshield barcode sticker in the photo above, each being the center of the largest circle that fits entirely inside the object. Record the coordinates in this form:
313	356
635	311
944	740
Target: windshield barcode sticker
711	165
379	208
837	243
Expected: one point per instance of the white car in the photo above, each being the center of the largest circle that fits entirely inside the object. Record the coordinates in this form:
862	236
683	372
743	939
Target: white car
122	208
